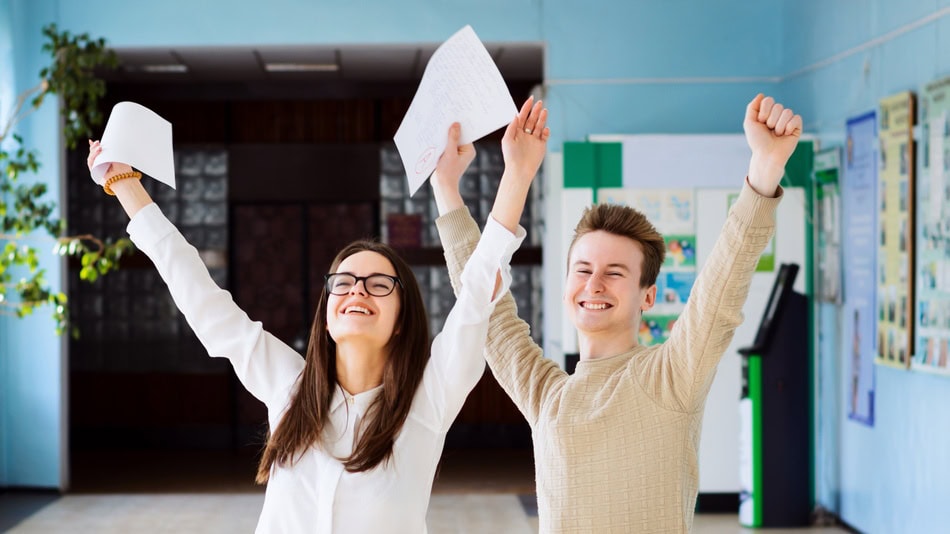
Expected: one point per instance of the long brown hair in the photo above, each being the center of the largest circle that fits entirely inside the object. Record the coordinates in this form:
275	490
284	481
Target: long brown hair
625	222
303	423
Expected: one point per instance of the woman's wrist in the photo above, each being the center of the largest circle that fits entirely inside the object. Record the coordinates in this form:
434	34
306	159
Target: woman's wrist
509	201
117	168
132	195
110	183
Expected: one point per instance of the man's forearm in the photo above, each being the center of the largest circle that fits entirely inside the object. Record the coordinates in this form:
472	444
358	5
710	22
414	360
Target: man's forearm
447	196
765	175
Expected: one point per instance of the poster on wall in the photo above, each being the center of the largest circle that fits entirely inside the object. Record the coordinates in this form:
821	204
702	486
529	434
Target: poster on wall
895	259
767	259
859	202
933	232
827	227
673	213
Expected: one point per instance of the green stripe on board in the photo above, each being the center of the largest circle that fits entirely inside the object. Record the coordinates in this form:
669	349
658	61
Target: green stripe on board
755	394
580	165
593	165
610	159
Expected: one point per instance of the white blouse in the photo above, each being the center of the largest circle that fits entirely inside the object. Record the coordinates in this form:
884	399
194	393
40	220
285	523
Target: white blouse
316	494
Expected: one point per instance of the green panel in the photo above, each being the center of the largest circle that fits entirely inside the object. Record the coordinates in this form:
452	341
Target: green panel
610	164
755	394
800	164
593	165
580	165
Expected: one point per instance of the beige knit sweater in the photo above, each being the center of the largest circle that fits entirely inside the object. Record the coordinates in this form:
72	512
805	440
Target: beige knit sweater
616	443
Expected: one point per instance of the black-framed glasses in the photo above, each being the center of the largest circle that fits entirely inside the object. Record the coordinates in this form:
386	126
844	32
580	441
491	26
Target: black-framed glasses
377	285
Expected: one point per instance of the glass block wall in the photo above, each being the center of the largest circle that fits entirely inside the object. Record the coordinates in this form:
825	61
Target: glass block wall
127	320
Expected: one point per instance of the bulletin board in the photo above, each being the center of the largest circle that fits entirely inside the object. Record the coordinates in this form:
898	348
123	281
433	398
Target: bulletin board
895	259
860	242
933	231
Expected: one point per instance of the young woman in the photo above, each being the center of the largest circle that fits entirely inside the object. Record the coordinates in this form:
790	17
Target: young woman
357	427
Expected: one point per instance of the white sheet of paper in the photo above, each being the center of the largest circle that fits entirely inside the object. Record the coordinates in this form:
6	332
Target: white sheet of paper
461	84
139	137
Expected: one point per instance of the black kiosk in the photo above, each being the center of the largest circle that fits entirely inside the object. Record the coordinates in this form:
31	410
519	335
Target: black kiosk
774	431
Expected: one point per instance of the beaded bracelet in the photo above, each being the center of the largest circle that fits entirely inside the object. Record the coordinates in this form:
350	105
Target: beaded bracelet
107	186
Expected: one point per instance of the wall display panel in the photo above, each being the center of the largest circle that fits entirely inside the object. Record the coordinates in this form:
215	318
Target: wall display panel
895	261
932	304
859	213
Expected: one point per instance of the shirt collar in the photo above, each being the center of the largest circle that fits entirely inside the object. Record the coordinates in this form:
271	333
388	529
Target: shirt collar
360	401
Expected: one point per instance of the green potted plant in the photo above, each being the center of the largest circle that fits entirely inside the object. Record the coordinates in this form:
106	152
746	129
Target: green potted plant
26	219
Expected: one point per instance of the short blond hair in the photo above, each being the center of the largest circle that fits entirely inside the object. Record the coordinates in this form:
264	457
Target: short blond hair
625	222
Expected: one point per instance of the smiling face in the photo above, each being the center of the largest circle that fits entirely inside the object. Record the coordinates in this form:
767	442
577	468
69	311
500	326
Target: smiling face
603	294
357	315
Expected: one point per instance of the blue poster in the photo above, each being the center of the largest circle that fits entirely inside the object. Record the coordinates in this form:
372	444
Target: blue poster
673	287
860	245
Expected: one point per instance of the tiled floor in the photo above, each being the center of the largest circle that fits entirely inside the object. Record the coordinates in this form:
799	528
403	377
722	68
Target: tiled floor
474	513
209	493
142	512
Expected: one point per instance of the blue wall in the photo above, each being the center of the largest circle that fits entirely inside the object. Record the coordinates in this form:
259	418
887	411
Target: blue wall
657	67
892	477
615	67
32	357
816	31
292	22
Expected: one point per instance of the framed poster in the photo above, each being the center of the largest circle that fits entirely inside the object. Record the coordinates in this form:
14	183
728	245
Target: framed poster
895	260
859	202
933	232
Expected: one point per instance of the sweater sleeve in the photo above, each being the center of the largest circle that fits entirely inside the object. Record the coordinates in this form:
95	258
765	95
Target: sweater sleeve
680	372
266	366
516	361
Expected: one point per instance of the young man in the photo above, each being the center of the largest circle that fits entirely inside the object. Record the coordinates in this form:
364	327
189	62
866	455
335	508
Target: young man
616	443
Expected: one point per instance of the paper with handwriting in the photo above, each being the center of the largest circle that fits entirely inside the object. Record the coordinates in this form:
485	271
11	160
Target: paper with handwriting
461	84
